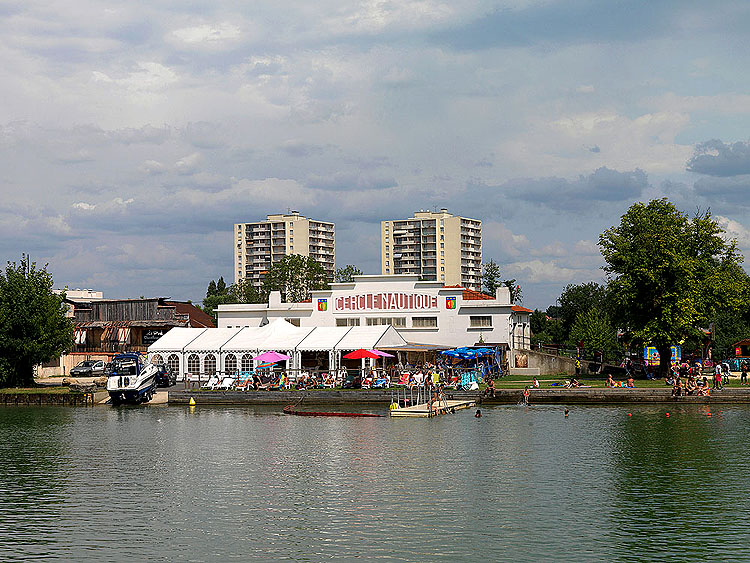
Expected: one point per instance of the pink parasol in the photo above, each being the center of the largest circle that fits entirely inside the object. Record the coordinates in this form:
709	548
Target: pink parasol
272	357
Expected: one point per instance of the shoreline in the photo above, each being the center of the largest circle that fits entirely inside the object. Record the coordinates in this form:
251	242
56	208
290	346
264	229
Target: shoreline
383	397
502	397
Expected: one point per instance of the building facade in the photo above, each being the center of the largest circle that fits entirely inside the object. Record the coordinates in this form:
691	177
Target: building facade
437	246
105	327
422	312
259	245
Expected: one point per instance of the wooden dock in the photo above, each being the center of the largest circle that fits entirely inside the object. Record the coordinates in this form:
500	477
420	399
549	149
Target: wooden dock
438	408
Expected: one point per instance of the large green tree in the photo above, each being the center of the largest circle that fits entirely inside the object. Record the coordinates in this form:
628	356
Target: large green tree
576	299
594	329
670	274
33	325
347	273
295	276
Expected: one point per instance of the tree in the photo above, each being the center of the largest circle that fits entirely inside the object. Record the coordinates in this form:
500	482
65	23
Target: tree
594	329
490	277
577	299
245	292
516	293
217	294
669	274
295	276
538	321
347	273
33	325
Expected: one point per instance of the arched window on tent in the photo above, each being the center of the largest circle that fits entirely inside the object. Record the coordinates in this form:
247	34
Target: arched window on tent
247	362
194	364
156	359
173	363
209	365
230	364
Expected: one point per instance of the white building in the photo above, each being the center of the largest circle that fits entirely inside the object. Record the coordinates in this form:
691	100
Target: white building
423	312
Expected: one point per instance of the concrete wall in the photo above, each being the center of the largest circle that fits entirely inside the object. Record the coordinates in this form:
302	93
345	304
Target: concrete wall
549	364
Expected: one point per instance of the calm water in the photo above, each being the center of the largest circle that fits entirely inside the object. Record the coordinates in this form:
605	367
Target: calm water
164	483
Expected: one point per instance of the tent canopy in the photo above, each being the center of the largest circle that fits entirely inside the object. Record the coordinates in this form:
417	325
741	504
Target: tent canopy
212	340
323	338
176	339
369	337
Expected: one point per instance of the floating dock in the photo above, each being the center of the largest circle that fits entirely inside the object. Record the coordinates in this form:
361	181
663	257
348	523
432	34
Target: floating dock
441	407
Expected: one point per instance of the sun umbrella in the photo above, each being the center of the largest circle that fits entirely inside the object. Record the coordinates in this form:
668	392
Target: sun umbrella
382	354
361	353
271	357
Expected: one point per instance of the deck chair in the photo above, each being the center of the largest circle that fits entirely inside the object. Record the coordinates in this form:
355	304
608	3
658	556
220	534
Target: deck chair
226	383
244	381
212	382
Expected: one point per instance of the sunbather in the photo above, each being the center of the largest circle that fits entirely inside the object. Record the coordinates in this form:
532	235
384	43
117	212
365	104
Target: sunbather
630	382
610	382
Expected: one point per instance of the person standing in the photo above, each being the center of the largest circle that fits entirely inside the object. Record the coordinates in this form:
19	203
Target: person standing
743	375
578	367
526	396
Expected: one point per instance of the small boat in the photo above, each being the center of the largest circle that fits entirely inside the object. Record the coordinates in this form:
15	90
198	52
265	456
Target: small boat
130	381
289	409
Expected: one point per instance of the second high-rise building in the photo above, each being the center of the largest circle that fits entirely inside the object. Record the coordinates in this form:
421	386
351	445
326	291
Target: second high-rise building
434	245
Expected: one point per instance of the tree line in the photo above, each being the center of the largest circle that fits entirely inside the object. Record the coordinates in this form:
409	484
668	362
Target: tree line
670	277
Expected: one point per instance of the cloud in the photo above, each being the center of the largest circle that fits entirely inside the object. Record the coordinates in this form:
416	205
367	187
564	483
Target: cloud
538	271
716	158
208	33
188	164
603	185
341	181
731	191
735	230
511	244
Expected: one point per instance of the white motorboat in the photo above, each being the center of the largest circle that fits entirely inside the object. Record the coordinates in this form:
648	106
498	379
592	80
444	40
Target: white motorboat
130	381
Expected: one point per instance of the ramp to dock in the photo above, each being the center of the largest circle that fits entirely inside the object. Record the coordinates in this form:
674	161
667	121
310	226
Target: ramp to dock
423	410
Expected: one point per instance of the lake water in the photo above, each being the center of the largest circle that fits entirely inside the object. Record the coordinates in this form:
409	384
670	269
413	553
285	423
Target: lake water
165	483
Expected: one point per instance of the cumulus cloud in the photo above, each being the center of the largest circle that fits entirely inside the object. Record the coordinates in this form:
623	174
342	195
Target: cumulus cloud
716	158
735	230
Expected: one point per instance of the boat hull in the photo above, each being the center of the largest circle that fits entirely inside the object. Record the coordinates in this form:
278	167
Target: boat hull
132	389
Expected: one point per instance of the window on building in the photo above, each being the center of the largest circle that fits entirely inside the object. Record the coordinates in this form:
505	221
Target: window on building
442	268
352	321
387	270
230	364
194	364
480	321
424	322
442	237
173	363
393	321
247	362
293	321
387	254
209	364
442	245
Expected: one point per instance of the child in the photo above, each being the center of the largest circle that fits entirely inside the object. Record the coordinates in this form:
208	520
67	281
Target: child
526	396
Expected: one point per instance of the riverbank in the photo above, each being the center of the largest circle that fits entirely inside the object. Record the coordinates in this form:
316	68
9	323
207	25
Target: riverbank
502	396
36	396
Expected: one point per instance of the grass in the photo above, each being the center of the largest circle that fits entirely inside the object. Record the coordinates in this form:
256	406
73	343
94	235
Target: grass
62	390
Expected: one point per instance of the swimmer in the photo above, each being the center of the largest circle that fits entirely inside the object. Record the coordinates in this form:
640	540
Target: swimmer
566	412
478	414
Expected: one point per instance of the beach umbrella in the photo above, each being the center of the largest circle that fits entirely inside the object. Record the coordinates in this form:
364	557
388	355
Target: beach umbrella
272	357
361	353
382	354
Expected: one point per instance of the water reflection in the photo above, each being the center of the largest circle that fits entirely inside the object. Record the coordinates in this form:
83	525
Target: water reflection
527	484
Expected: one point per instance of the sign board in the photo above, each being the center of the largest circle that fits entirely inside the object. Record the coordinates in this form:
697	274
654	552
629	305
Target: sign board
151	336
386	302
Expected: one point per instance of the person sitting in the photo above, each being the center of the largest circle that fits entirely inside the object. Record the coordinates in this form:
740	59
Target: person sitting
630	382
677	389
256	381
610	382
489	391
574	383
690	386
535	383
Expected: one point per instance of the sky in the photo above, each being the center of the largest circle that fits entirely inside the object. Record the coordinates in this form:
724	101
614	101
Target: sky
133	135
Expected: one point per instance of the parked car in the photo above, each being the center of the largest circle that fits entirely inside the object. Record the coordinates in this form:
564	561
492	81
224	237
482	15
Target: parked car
88	368
164	376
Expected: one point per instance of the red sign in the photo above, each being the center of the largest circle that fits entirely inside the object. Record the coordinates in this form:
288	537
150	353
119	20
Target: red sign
386	302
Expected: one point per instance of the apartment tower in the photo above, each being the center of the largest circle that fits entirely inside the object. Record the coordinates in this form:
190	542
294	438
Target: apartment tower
435	245
259	245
